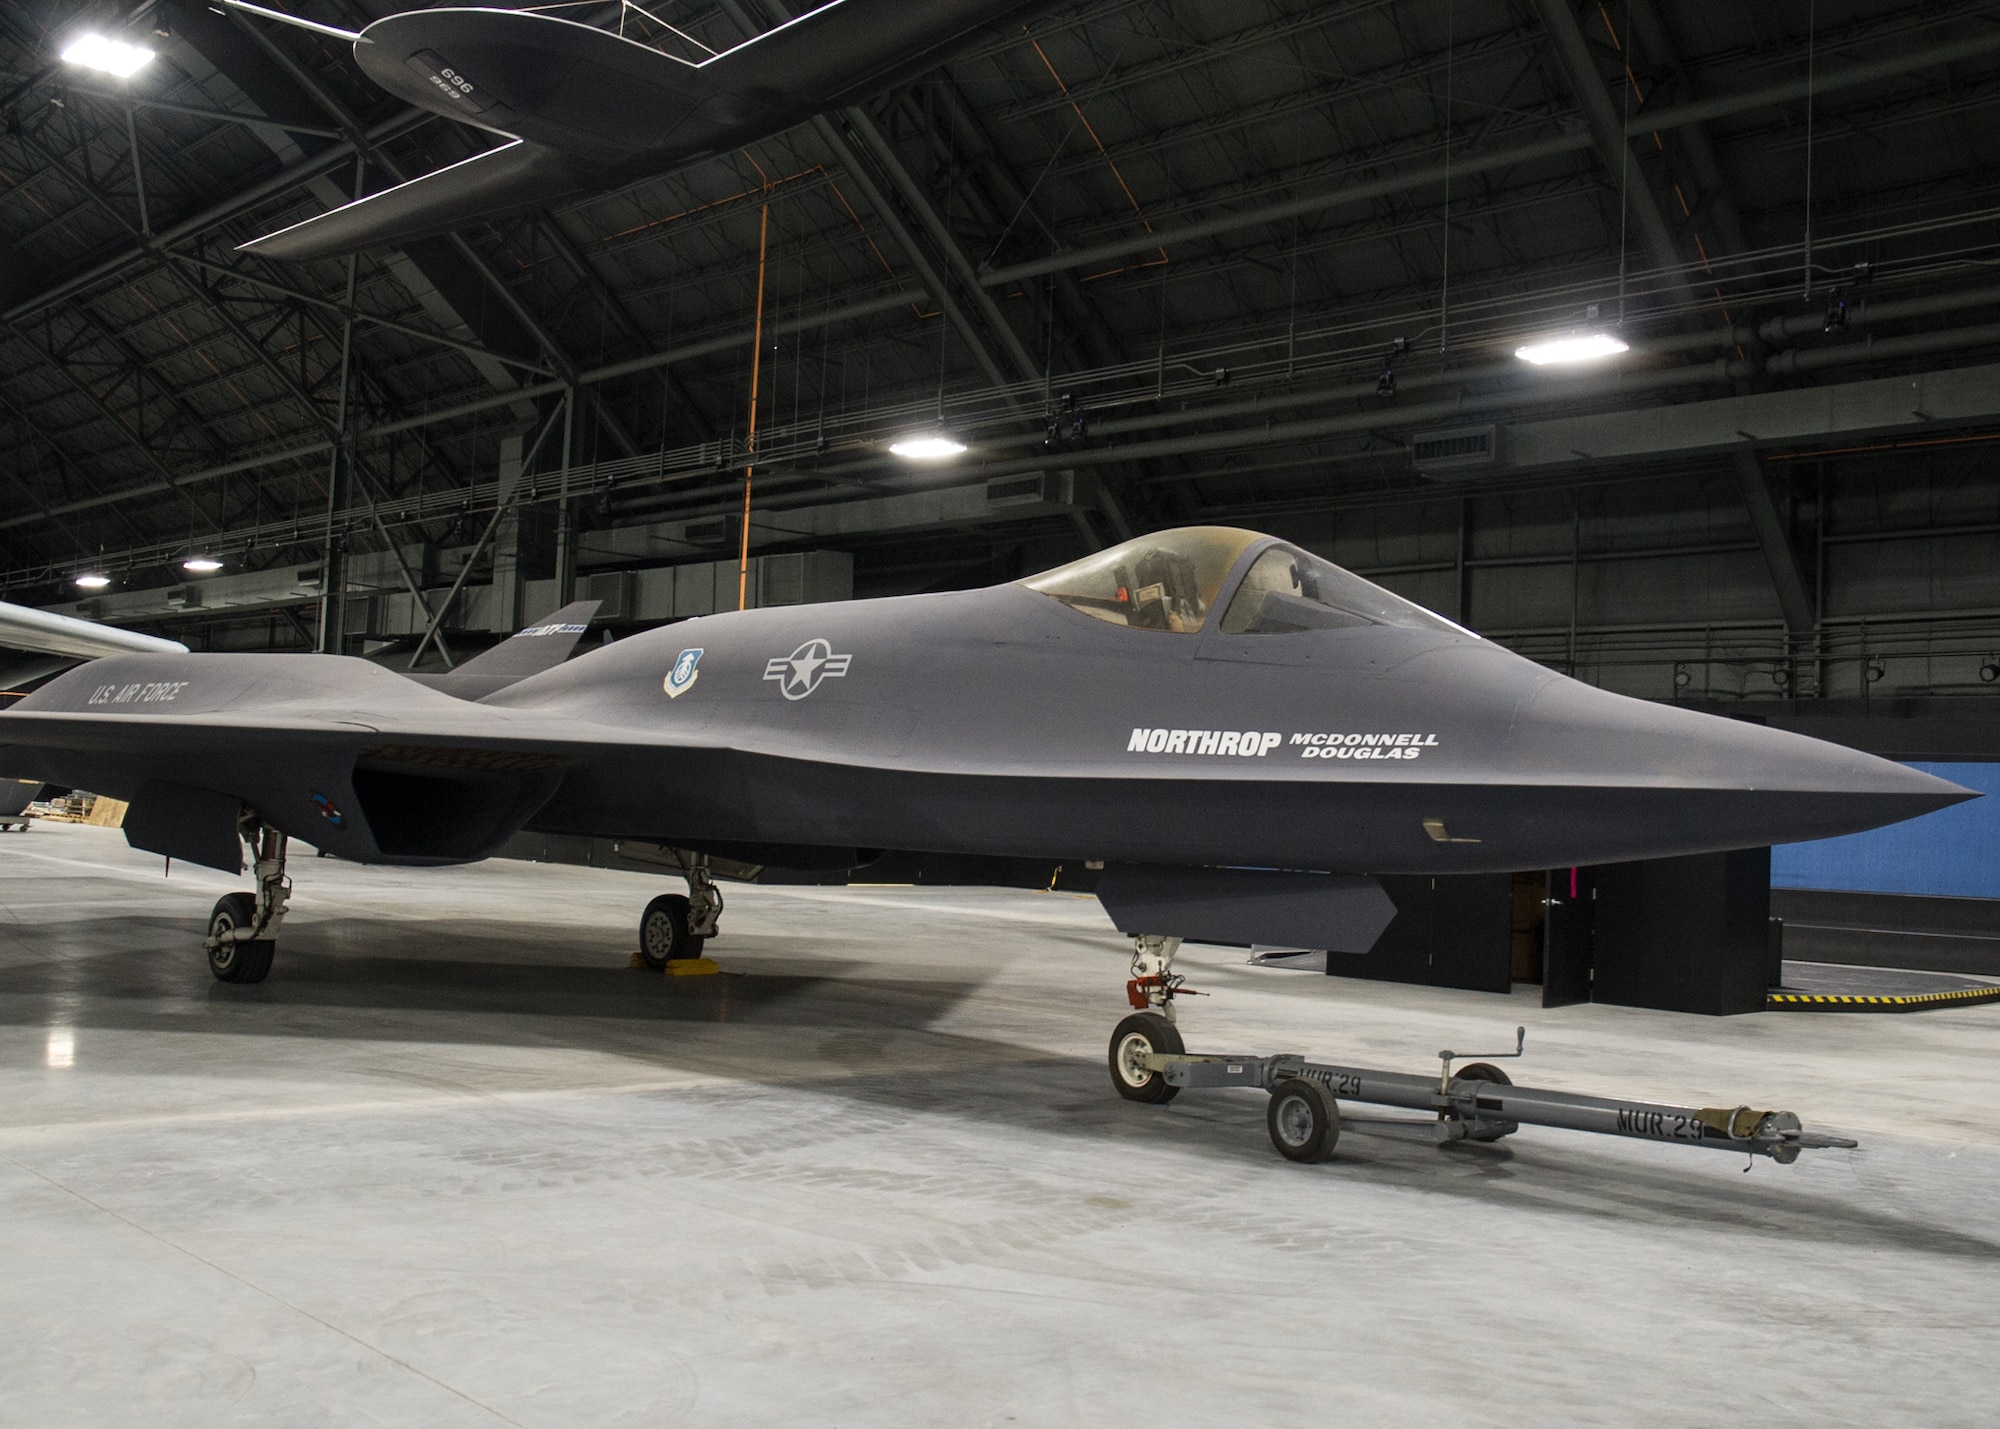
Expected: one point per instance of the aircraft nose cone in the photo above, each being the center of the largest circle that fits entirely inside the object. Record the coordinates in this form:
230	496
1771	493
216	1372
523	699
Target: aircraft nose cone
1721	782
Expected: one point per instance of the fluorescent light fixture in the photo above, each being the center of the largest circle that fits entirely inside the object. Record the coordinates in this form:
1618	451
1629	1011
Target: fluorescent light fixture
930	446
201	565
62	1048
90	580
99	52
1571	347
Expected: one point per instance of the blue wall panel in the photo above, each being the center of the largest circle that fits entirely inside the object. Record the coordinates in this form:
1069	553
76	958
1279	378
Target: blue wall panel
1954	853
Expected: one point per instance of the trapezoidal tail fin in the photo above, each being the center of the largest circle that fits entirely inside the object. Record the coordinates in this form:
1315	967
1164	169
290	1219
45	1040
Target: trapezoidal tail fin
541	646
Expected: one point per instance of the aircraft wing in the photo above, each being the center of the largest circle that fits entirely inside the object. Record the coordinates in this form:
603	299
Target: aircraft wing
513	178
354	758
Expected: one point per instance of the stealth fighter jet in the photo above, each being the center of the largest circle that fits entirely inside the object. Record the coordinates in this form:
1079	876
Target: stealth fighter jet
1240	731
586	110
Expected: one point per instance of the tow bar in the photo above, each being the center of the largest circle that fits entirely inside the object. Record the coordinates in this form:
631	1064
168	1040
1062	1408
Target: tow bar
1477	1103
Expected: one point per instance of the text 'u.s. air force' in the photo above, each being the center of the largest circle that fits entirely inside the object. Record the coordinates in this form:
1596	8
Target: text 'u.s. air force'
1257	743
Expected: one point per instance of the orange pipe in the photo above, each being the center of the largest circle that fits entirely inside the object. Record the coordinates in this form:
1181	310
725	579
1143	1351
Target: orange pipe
756	373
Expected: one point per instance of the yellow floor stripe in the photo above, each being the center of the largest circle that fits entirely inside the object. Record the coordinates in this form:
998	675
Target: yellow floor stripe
1887	1002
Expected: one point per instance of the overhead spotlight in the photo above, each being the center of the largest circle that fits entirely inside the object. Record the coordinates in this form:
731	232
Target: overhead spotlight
1989	672
91	580
1682	679
201	565
1069	426
1781	677
1874	671
1385	385
927	446
1571	348
102	53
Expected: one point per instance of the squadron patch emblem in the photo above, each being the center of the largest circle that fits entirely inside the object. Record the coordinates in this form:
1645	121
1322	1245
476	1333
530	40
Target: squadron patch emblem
799	673
681	678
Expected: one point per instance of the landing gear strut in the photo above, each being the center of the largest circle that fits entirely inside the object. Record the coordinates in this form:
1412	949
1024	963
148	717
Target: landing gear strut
674	926
243	929
1150	1031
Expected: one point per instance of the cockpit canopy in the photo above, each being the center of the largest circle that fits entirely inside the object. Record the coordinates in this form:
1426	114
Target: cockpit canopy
1171	581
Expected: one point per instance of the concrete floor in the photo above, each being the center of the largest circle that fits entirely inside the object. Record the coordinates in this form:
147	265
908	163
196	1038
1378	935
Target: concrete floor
456	1164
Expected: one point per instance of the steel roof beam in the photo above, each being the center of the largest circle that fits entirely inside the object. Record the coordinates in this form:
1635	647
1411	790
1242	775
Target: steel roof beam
705	348
319	165
351	127
1753	477
1753	474
1821	83
1710	428
1645	123
209	301
990	362
1645	18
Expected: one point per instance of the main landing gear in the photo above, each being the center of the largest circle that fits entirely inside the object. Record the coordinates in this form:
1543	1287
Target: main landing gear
676	927
1473	1102
243	929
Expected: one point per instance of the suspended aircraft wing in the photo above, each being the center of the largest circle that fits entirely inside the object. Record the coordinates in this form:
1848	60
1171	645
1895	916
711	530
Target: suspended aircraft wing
49	643
513	178
46	633
590	109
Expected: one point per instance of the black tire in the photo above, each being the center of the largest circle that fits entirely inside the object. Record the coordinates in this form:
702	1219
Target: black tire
663	932
1138	1034
234	961
1482	1072
1303	1119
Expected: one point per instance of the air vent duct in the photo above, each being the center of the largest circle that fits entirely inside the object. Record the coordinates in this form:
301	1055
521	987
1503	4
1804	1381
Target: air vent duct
1455	449
1031	490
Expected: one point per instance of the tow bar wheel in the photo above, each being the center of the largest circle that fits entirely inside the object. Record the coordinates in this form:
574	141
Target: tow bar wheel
1304	1120
1138	1035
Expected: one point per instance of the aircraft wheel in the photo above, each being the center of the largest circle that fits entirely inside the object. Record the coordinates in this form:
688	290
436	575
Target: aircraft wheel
233	961
1482	1072
1137	1035
1304	1120
663	932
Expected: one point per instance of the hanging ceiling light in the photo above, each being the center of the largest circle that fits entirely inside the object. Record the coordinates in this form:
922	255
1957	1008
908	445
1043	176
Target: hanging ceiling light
927	446
201	565
100	52
1571	347
91	580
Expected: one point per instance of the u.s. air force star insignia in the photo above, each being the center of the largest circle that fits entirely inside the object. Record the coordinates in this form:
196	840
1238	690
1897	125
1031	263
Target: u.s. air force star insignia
681	678
799	673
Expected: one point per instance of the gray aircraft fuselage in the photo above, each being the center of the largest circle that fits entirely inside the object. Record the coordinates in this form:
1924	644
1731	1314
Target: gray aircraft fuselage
999	721
1002	722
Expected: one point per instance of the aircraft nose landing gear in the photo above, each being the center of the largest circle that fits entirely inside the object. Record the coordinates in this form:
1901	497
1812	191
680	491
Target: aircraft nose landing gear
1147	1032
243	929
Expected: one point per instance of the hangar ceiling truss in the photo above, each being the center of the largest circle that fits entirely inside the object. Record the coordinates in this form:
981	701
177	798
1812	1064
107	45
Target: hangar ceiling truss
1164	246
